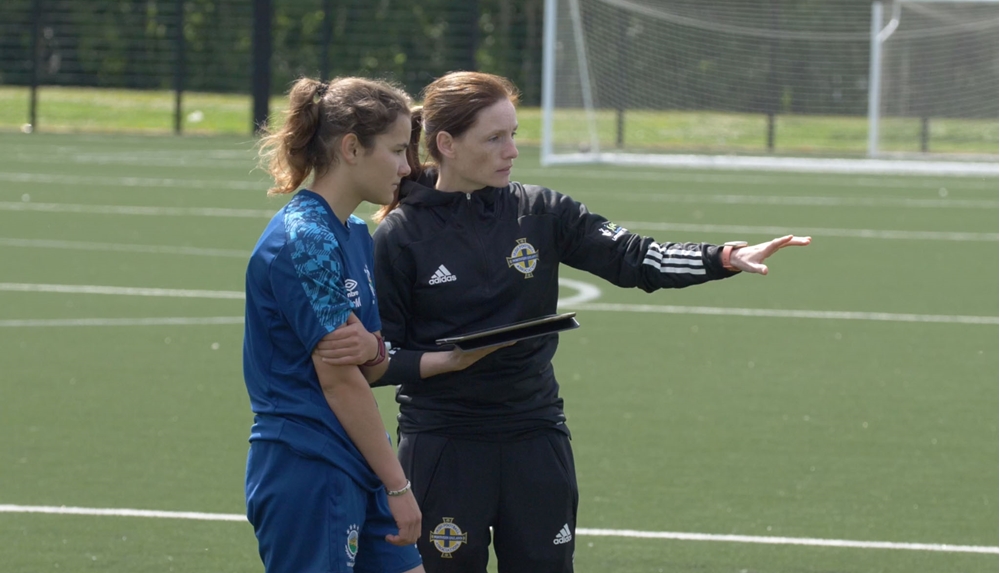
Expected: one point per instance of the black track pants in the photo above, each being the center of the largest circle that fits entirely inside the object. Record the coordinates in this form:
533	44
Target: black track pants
525	490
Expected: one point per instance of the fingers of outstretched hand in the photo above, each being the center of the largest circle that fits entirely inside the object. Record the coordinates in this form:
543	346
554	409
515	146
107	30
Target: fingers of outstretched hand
790	241
764	250
781	241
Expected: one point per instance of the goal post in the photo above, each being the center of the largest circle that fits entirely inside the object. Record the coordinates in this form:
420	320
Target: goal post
914	54
773	84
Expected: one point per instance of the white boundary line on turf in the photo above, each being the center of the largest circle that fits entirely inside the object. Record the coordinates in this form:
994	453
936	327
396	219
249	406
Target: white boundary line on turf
235	517
777	313
584	292
155	321
796	201
581	301
122	248
636	173
120	160
791	164
136	210
787	540
630	174
817	232
637	225
63	510
39	178
634	197
125	291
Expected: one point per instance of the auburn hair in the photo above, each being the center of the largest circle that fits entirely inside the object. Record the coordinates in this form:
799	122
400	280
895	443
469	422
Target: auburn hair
451	104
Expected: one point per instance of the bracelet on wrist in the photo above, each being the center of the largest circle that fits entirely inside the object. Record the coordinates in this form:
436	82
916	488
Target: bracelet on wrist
398	492
380	354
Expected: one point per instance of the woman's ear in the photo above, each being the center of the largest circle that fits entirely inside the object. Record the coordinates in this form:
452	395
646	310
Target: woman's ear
446	144
350	148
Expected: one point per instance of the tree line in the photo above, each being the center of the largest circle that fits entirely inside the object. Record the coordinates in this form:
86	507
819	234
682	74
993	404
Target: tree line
206	45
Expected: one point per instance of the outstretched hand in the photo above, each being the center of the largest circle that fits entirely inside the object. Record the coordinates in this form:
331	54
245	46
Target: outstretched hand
751	258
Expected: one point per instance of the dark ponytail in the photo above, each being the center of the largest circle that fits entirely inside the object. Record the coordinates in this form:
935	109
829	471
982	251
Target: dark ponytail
413	149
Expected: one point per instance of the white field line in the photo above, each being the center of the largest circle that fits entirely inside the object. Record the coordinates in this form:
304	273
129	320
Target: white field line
123	248
63	510
815	232
787	541
39	178
684	198
585	292
776	313
122	291
235	517
635	225
580	301
157	321
984	168
159	159
586	174
777	200
136	210
840	180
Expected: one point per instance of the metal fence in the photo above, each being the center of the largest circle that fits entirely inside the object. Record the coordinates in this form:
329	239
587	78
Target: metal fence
260	46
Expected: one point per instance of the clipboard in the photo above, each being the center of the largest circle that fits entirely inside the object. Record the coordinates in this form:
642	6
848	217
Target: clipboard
548	324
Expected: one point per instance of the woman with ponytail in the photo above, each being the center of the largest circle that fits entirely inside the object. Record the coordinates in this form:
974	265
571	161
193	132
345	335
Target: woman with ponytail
324	489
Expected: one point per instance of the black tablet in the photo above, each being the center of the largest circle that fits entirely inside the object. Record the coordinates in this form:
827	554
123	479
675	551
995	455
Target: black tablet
514	332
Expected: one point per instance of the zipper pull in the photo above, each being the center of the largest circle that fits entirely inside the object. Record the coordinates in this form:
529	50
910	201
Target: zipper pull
468	196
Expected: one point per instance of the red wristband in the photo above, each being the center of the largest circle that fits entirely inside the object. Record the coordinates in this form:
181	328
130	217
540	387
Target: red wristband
380	357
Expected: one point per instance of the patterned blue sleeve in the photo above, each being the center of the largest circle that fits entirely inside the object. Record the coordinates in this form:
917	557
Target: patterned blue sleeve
308	281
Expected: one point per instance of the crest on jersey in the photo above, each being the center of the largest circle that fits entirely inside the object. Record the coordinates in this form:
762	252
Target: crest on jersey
447	537
351	548
612	231
524	258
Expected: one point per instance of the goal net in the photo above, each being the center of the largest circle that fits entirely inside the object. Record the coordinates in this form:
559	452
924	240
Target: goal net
938	81
668	81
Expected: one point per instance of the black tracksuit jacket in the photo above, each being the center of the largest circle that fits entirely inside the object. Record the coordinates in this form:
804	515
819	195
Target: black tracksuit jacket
454	263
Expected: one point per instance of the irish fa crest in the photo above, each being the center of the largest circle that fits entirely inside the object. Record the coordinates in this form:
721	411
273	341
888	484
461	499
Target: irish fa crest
447	537
524	258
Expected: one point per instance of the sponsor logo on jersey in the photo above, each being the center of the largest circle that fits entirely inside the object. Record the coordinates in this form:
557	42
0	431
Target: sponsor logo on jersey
564	536
612	231
524	258
442	275
447	537
352	292
351	548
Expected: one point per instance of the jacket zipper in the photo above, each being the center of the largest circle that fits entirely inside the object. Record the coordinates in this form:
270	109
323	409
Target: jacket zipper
483	265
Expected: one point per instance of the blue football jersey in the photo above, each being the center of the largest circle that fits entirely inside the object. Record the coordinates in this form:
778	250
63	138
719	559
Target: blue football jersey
307	272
